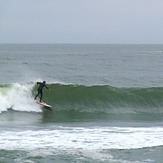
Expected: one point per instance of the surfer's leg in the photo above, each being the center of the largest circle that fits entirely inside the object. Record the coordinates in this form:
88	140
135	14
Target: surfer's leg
40	96
36	95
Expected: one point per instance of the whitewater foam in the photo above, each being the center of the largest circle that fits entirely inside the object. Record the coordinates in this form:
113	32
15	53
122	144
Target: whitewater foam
92	138
19	98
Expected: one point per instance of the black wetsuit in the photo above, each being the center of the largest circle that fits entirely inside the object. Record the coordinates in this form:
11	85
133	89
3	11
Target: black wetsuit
40	88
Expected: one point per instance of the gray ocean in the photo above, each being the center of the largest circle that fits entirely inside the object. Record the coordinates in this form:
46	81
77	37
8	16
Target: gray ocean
107	103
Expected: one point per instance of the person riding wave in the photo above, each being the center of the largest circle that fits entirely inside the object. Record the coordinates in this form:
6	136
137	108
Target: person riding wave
40	88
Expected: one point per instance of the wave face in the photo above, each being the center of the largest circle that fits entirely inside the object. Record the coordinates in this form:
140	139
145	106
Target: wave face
105	102
87	103
105	98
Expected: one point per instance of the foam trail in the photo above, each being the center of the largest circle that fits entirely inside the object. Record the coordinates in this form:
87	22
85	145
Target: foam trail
18	97
78	138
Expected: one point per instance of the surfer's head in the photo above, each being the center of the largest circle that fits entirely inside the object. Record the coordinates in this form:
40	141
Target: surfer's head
44	82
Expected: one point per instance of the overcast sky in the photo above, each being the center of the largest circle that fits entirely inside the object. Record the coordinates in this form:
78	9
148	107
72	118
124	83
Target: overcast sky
81	21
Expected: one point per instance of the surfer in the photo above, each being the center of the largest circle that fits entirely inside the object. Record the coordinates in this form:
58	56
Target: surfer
40	88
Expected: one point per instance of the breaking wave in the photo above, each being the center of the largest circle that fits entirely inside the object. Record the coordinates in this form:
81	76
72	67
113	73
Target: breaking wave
80	102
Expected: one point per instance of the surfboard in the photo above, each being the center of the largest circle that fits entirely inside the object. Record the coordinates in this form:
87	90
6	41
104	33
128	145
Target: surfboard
44	104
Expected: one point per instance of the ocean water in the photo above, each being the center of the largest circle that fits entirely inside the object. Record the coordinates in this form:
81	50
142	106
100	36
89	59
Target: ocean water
107	103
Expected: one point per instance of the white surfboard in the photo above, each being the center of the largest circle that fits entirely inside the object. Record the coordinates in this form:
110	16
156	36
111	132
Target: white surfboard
44	104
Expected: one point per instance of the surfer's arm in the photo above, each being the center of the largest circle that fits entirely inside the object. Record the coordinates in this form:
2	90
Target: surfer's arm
38	83
46	87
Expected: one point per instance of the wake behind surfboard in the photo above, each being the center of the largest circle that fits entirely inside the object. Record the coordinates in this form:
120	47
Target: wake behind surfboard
44	104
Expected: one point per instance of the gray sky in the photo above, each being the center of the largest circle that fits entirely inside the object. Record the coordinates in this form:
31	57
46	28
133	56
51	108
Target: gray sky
81	21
